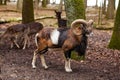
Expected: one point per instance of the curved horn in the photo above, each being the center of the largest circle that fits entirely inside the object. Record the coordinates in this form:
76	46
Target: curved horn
77	26
78	21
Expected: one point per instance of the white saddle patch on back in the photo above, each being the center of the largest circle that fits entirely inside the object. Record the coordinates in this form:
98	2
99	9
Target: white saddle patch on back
55	36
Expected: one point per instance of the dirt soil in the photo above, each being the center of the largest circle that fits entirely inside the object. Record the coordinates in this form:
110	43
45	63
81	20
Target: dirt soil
100	62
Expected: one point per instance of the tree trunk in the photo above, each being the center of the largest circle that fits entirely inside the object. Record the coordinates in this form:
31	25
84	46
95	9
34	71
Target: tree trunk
27	11
19	5
110	10
85	1
48	1
115	40
114	4
96	4
75	9
44	4
104	7
0	2
5	2
100	16
36	4
8	0
60	6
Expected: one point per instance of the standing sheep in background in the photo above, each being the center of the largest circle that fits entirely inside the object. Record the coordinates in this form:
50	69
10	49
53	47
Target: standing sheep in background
61	22
66	38
33	28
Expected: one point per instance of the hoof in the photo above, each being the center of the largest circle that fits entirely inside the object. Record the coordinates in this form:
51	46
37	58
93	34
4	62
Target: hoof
34	67
46	67
68	70
82	61
23	48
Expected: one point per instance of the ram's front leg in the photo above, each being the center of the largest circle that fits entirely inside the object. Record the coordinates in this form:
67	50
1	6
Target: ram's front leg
43	61
67	61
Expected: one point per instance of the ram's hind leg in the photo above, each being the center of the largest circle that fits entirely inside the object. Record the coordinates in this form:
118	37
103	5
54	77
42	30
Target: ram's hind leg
34	58
40	52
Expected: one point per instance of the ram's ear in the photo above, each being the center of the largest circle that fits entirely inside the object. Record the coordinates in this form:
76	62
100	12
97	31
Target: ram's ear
90	26
55	11
77	26
90	22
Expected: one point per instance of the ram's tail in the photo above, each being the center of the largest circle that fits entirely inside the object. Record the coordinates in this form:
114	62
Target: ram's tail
36	39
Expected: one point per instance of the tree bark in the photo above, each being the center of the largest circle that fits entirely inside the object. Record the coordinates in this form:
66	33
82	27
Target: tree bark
60	6
85	1
114	4
115	40
44	3
96	4
5	2
36	4
0	2
110	10
48	1
27	11
104	7
75	9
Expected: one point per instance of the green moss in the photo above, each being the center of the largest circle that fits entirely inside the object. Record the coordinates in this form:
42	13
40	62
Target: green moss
115	40
75	9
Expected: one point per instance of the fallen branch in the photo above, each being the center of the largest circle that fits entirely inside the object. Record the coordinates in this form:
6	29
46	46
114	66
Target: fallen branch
45	17
7	10
2	21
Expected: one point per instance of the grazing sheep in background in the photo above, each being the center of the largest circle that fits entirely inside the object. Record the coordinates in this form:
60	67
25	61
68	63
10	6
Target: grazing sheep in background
21	31
13	32
66	38
33	28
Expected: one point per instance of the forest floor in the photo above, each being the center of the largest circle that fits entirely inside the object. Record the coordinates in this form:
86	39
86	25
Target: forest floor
101	63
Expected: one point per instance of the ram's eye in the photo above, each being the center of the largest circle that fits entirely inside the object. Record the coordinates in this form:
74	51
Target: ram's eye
79	28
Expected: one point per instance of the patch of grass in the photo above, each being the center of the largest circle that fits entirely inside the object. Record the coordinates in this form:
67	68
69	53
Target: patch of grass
75	56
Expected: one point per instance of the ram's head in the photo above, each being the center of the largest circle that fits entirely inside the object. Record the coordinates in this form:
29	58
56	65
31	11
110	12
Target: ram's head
81	26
